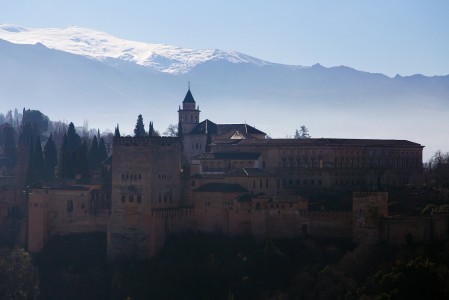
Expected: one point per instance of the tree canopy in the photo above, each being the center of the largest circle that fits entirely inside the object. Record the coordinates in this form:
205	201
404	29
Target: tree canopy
302	133
139	131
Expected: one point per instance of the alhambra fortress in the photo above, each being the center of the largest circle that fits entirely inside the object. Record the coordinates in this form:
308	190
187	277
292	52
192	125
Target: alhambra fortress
231	179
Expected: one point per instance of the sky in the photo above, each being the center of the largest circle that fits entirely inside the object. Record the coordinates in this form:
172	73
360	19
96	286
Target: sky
392	37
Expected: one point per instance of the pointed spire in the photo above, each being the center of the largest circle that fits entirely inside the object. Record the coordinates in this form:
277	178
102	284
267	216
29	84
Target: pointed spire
189	98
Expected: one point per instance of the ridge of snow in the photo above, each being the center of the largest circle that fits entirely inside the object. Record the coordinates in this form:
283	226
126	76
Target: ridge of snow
101	46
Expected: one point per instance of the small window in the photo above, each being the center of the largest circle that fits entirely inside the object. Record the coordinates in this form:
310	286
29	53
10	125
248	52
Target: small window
139	199
123	198
131	198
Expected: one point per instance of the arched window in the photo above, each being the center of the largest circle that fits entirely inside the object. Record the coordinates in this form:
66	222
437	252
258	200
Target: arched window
69	206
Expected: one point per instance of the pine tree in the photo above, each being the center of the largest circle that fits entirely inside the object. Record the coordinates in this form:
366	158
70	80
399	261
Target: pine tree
302	133
139	131
51	158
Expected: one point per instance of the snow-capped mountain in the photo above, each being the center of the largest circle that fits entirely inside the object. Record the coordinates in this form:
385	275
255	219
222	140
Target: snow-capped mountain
77	74
102	46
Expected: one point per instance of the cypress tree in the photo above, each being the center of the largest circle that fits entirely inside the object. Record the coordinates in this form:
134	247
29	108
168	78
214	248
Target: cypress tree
151	130
139	131
102	153
117	132
64	166
9	143
51	158
36	167
38	161
30	177
82	165
93	156
73	139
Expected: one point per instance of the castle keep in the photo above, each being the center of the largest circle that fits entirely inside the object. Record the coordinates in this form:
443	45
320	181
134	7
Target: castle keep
232	179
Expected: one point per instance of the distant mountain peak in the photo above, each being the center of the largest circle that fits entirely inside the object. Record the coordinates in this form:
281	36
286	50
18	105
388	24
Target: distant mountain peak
102	46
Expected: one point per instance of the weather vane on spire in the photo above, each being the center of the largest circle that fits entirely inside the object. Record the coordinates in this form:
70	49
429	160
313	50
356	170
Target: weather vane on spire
188	82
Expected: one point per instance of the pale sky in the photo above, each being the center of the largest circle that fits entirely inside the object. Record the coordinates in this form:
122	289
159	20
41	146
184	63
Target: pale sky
403	37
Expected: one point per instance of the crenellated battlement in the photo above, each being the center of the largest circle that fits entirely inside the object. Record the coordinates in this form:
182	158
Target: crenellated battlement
145	141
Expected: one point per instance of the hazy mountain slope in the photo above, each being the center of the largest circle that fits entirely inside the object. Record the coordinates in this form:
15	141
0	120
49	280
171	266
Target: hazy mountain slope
110	89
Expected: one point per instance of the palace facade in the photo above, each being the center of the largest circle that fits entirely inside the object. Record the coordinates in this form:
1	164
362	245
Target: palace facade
232	179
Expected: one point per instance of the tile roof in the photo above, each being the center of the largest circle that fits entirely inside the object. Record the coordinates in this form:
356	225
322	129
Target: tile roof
331	142
210	127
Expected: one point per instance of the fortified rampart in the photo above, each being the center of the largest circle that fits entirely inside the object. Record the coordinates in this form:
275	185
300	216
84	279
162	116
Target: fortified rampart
63	210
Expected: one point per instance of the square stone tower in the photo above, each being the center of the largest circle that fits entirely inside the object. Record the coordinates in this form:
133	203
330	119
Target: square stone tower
146	178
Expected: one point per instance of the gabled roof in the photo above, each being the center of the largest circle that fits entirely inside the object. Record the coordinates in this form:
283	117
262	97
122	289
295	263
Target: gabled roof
227	156
219	187
234	135
207	126
189	98
243	128
225	130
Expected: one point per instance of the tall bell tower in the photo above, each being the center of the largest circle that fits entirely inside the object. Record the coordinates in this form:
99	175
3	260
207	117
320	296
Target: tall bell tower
189	115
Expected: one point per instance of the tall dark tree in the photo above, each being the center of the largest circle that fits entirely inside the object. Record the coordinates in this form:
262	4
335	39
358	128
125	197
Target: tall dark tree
73	139
102	152
36	165
38	160
82	166
117	132
9	145
139	131
65	168
30	176
93	155
38	120
24	153
51	158
151	129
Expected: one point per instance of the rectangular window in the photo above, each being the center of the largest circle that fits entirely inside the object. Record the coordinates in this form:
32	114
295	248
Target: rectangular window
131	198
123	198
139	199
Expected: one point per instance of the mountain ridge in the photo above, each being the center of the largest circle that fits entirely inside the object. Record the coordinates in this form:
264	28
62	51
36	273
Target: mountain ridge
339	102
100	45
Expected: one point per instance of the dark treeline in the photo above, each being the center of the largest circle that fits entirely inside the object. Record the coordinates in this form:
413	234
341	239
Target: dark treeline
35	148
200	266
